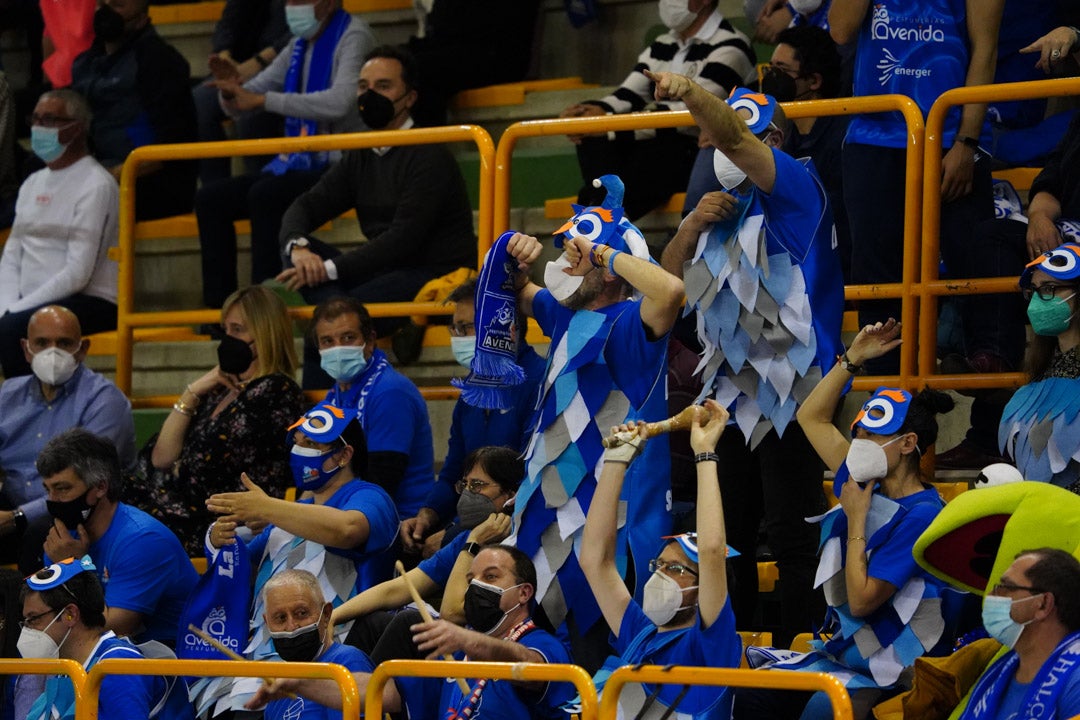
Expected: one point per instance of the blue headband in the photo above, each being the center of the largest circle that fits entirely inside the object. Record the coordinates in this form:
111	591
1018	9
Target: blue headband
59	573
323	423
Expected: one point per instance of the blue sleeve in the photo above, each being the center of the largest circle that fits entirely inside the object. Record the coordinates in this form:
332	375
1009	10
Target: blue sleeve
109	415
439	566
633	623
893	561
795	206
353	659
546	311
386	430
555	694
136	568
634	360
381	515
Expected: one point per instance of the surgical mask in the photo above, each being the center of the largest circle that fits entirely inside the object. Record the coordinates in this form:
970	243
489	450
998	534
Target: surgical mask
464	348
72	513
343	362
307	467
779	84
482	609
376	110
559	284
45	142
234	355
108	24
1049	317
662	598
474	508
866	460
997	619
676	14
727	174
301	20
300	645
37	645
54	366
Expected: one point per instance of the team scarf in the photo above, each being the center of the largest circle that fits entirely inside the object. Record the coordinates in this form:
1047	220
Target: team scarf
1041	698
494	369
319	76
357	394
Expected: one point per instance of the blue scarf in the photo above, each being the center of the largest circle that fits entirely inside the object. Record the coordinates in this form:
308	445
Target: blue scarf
218	605
357	394
319	77
494	369
1041	698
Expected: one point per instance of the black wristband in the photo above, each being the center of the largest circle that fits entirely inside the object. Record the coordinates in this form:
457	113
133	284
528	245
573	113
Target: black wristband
263	62
971	142
473	548
706	456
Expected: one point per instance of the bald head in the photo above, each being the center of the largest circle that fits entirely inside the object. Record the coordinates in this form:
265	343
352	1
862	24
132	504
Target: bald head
54	326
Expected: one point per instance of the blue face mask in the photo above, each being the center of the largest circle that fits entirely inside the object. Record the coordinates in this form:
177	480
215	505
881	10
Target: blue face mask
997	619
45	142
307	467
464	348
344	363
302	21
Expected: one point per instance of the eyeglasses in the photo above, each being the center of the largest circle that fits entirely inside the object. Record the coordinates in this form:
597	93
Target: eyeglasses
1004	586
51	121
30	620
473	484
794	74
462	329
1046	291
671	568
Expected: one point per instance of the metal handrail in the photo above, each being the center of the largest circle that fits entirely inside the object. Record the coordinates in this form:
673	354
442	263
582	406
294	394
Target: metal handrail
25	666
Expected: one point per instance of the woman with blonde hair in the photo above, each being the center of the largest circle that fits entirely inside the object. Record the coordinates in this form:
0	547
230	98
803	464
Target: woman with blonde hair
229	420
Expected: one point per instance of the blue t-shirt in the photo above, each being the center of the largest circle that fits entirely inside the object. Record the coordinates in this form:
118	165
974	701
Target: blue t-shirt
917	48
353	659
123	697
894	561
395	420
1068	702
439	566
143	568
716	646
439	698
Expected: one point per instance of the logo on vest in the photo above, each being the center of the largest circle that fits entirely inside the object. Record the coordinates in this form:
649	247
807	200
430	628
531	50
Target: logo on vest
215	626
881	28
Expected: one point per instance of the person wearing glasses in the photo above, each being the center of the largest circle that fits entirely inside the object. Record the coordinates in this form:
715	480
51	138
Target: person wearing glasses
1039	426
472	427
884	610
685	616
63	616
58	250
1034	612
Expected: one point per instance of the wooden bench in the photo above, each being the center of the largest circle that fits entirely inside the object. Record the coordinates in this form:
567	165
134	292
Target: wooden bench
514	93
210	10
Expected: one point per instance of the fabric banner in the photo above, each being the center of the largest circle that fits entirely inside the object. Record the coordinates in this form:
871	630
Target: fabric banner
219	606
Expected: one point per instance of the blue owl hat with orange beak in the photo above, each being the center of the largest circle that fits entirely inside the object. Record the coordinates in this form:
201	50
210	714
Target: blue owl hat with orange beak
605	223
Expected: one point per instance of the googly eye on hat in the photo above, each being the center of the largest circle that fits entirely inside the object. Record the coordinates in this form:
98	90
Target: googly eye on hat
688	542
323	423
761	108
1061	263
59	573
997	474
884	413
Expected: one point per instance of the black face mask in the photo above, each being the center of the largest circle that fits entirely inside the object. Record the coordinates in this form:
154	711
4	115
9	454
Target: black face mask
779	84
482	610
71	512
376	110
300	645
108	24
234	355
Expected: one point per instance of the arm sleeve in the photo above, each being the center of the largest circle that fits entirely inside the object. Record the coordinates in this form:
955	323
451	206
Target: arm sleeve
136	569
382	518
334	102
332	195
422	175
109	415
85	237
272	77
224	37
796	204
893	561
164	86
633	358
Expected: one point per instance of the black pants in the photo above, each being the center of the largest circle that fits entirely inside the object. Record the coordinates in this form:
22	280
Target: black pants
95	315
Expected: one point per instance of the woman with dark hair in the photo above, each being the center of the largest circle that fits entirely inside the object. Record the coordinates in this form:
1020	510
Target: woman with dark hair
228	421
883	609
1039	427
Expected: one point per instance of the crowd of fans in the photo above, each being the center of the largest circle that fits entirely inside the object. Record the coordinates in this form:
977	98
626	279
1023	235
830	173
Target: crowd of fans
552	532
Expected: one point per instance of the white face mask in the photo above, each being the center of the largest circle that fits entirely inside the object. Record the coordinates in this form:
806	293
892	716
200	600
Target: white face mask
662	598
54	366
559	284
866	460
727	174
464	348
676	14
37	645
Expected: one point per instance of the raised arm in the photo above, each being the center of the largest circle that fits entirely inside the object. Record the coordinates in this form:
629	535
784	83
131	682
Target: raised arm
597	557
526	250
711	533
712	207
495	529
845	19
386	595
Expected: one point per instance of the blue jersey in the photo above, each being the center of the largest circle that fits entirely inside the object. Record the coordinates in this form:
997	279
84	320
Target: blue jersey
916	48
439	566
351	658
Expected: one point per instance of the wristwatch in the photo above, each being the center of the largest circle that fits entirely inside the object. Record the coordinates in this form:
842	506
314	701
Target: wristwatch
846	364
18	519
472	548
297	242
971	142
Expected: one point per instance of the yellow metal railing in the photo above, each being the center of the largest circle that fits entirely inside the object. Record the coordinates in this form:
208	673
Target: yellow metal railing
725	677
88	708
524	672
128	319
21	666
931	287
903	290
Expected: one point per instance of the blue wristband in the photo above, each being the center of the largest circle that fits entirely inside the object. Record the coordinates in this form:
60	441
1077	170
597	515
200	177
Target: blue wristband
611	261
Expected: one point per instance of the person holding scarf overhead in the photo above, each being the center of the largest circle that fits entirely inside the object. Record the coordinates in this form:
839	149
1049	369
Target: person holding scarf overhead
312	83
